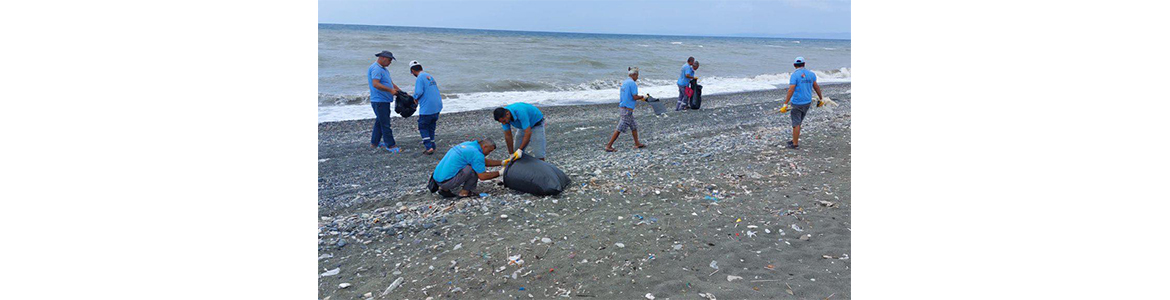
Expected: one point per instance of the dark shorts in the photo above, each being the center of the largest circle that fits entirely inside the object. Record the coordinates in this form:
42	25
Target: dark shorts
466	179
798	112
626	121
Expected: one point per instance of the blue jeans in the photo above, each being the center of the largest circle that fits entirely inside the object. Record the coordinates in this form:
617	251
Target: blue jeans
426	129
382	129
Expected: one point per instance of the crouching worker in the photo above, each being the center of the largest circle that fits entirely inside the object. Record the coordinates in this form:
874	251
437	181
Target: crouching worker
463	167
529	122
629	94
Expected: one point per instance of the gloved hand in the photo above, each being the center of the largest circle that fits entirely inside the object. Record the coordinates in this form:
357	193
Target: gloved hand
820	102
516	155
505	161
784	108
503	167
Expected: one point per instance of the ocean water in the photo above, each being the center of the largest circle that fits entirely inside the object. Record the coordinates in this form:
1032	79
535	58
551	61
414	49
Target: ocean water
478	69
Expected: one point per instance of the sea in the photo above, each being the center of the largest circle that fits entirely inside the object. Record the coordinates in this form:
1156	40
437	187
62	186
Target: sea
477	69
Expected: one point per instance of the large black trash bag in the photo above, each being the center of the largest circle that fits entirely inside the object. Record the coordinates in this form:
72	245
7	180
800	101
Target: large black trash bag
697	98
404	104
534	176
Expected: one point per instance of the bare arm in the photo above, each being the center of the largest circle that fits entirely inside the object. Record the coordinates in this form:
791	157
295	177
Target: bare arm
488	175
508	140
638	97
380	86
817	87
527	137
788	97
492	162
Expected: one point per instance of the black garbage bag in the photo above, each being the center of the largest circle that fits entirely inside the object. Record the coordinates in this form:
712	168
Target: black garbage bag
534	176
404	104
697	98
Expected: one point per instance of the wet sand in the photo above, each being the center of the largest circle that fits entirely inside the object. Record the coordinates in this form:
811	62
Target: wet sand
714	185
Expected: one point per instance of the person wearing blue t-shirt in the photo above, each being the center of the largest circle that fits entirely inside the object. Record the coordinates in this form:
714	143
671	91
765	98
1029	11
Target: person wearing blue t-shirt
627	95
800	87
382	91
426	95
684	79
464	166
529	122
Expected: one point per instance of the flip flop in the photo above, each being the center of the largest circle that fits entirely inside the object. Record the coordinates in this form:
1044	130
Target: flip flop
610	150
640	146
394	150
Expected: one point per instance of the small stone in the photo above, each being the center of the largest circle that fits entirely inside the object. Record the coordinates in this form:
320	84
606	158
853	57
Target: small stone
650	296
545	240
503	216
805	237
733	277
620	245
344	285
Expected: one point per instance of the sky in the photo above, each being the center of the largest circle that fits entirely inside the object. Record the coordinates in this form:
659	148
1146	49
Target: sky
758	18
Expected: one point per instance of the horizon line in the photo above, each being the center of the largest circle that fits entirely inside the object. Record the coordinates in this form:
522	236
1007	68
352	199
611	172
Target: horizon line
598	33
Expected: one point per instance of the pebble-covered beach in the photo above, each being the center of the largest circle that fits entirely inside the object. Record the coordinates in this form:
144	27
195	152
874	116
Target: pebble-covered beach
715	207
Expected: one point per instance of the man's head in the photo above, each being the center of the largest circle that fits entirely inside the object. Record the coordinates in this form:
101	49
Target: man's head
696	65
384	58
415	68
799	63
502	115
633	72
487	146
691	60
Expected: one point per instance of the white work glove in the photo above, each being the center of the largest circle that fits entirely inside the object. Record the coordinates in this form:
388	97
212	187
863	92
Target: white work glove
517	154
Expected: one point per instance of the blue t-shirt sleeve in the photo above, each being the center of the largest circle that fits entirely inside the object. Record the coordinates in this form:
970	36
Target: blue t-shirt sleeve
633	89
419	88
477	163
506	127
792	79
375	75
690	71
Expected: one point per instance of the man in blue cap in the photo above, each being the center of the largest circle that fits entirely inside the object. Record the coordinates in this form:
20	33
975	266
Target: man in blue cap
800	87
382	91
426	95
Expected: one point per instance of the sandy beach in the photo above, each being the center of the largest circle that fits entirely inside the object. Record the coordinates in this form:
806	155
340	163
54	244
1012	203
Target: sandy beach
715	206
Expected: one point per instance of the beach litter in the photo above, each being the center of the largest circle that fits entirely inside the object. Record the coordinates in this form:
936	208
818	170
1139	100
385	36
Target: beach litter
344	285
331	272
708	296
650	296
733	277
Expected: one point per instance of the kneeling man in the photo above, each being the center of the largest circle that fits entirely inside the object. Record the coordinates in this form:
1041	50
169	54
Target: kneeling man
464	166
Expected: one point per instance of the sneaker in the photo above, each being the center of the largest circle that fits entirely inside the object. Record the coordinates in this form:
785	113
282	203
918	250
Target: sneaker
393	150
791	145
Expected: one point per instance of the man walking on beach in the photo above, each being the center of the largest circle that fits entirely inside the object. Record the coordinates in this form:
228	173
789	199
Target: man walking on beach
382	91
426	95
529	122
684	79
628	94
463	167
800	87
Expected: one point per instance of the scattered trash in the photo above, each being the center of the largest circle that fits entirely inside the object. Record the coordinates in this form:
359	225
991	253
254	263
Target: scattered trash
733	277
714	265
506	216
331	272
458	246
797	228
324	256
484	195
344	285
827	203
770	267
650	296
805	237
751	233
392	286
708	296
545	240
620	245
521	288
677	247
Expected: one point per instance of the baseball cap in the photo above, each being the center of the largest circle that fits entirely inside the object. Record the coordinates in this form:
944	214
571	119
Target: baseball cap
385	54
799	60
414	63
